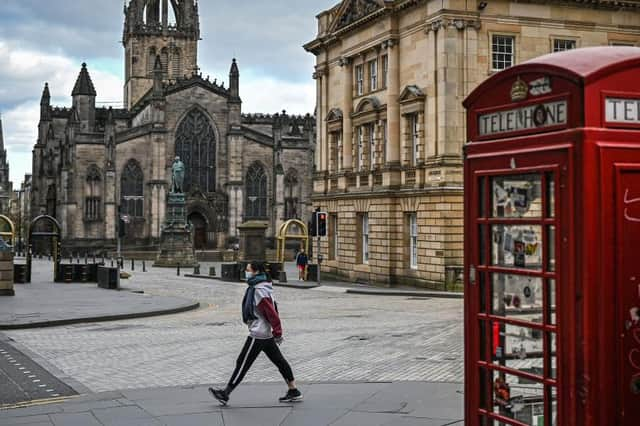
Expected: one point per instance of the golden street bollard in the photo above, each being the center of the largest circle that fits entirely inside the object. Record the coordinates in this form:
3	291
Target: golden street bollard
6	270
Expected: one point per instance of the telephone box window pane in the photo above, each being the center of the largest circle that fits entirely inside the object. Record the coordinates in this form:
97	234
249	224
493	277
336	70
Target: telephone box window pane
518	348
551	196
553	396
482	326
482	289
481	200
517	297
551	294
482	244
517	196
551	246
517	398
517	246
553	360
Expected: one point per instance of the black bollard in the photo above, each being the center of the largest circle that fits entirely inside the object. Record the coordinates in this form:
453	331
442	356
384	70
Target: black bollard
86	259
133	265
196	269
144	267
178	270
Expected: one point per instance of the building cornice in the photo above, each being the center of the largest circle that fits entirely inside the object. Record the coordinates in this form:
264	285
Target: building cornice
333	35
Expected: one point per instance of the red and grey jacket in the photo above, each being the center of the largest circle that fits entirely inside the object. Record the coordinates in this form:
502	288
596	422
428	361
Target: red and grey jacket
267	324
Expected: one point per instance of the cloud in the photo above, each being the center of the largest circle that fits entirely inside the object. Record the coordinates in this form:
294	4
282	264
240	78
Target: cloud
19	137
270	96
48	40
24	72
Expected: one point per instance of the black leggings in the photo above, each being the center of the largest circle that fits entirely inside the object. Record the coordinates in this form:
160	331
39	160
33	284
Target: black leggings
250	351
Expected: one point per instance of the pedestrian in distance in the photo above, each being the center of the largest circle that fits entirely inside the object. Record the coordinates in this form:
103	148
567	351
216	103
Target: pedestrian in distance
260	313
302	260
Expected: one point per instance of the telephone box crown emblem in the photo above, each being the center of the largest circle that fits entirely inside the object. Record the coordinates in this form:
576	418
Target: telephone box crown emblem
519	90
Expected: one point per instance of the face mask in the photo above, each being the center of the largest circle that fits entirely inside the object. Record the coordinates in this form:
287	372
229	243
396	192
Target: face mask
249	274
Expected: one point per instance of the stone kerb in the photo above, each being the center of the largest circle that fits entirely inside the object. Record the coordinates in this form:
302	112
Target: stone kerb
6	270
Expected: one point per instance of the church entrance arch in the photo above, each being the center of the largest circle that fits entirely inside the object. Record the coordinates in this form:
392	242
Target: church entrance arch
45	227
199	224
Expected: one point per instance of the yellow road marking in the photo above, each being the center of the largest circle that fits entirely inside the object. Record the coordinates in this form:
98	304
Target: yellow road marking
37	402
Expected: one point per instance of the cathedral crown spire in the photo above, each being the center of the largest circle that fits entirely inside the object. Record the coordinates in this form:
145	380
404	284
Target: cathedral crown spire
234	79
46	96
84	85
234	68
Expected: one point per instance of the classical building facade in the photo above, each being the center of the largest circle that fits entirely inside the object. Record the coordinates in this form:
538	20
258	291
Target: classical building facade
89	161
6	186
391	77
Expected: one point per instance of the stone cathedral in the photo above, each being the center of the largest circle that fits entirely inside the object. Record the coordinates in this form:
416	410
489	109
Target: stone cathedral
90	162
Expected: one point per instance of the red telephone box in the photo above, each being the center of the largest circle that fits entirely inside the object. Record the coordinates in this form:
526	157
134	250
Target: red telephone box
552	242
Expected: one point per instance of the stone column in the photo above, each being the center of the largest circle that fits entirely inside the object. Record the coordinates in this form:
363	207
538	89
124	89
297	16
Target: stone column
110	205
393	106
6	270
319	119
347	106
279	197
324	154
431	105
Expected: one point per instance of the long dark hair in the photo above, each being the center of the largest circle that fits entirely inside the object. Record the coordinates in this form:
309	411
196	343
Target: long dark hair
259	268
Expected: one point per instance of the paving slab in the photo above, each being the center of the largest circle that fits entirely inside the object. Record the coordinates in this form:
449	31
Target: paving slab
74	419
264	416
27	420
205	419
319	416
44	303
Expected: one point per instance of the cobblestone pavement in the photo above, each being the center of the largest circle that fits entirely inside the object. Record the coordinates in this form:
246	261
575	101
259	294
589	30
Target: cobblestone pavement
329	336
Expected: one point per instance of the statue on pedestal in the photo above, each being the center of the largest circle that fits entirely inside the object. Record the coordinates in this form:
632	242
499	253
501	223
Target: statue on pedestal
177	176
176	239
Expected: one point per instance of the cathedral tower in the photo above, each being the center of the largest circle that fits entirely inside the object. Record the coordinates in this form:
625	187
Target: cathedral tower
166	28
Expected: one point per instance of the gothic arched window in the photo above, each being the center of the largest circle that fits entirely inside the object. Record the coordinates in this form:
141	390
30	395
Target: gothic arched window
256	192
291	194
132	190
196	147
93	194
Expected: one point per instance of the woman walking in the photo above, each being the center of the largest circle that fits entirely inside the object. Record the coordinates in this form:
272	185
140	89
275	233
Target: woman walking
260	313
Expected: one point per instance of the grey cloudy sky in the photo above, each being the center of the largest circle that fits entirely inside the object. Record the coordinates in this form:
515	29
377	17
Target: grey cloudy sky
47	40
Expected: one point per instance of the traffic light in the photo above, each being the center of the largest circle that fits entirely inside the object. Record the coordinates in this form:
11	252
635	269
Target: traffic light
321	221
313	227
121	228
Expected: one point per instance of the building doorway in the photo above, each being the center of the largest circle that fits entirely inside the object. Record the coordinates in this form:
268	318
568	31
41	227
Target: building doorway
199	224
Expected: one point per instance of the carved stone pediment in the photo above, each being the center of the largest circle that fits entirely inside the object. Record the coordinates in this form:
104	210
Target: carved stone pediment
335	114
411	93
355	10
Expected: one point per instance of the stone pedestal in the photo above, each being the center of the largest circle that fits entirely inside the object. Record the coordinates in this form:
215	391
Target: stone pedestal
176	238
6	270
253	241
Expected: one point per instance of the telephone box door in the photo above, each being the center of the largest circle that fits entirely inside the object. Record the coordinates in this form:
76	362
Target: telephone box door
628	237
514	282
